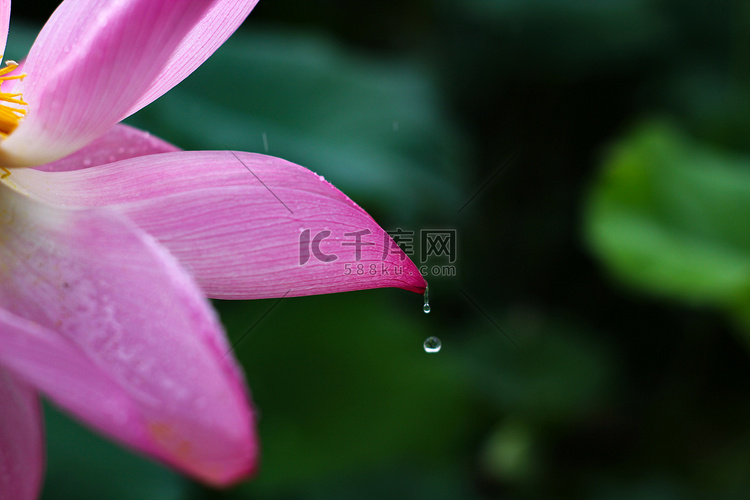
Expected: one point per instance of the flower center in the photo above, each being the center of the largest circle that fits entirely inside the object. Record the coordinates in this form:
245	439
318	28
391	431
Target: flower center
12	106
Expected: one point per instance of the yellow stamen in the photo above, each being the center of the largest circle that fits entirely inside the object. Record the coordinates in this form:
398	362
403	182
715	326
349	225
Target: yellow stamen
10	115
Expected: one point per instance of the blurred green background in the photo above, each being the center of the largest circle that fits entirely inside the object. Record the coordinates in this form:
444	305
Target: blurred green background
593	159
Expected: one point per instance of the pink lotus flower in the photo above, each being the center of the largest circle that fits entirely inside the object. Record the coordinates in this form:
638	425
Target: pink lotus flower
111	244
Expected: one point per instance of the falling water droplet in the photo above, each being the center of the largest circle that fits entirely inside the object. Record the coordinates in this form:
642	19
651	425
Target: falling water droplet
426	307
432	344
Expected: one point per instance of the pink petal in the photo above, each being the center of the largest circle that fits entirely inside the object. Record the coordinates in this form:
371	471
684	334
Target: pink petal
112	328
220	21
97	61
245	225
4	23
21	439
120	143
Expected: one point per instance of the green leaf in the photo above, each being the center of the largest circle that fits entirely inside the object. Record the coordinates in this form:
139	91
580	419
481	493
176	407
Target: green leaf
509	454
559	373
543	37
673	218
21	36
343	384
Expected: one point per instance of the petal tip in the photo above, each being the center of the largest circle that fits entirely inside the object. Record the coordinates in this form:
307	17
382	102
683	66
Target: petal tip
236	461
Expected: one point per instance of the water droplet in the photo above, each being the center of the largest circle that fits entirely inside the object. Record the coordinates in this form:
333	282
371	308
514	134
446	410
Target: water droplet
432	344
320	177
87	162
426	306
